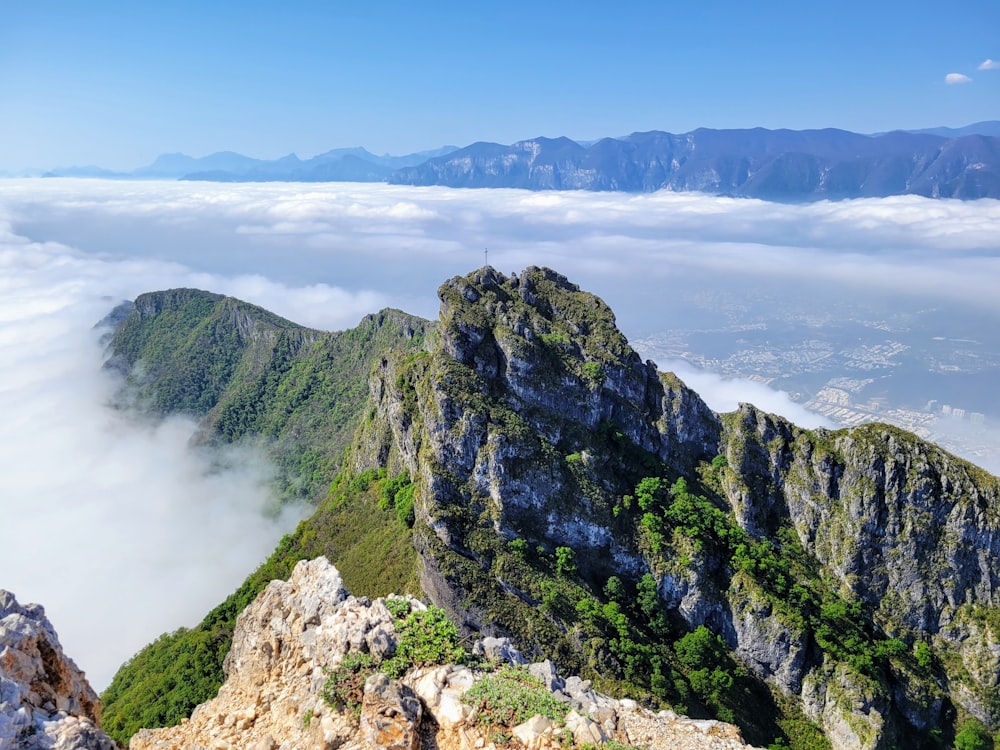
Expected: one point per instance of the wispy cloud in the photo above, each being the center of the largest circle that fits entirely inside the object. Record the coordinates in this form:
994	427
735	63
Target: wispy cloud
134	521
989	64
146	509
952	78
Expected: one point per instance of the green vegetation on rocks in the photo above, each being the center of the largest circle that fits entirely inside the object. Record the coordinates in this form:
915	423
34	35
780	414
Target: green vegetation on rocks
512	695
252	375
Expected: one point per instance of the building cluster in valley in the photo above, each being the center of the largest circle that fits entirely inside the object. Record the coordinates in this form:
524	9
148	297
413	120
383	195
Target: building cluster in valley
840	380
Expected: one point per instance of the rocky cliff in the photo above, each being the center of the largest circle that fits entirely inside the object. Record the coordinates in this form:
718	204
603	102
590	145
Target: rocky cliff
299	637
46	702
836	558
828	589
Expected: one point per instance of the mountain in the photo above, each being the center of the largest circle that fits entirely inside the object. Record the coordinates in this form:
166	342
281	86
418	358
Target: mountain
782	165
778	165
87	172
247	372
988	127
519	466
338	165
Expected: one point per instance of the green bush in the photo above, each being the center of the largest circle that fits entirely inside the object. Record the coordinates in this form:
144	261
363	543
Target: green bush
398	608
922	653
345	685
564	562
510	696
972	735
424	638
404	504
518	547
398	493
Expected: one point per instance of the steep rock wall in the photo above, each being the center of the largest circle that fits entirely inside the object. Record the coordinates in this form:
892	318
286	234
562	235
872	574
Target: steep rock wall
510	421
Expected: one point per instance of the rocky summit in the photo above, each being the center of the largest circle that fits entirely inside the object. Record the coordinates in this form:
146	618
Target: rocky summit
298	635
46	702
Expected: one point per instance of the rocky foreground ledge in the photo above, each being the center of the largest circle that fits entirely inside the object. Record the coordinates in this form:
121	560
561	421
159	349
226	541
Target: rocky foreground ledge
290	638
46	702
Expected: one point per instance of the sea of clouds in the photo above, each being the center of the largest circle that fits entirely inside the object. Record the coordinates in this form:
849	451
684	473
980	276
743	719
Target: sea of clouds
124	531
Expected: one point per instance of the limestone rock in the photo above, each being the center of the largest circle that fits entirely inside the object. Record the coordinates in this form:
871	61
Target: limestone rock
497	651
294	631
46	702
906	531
390	714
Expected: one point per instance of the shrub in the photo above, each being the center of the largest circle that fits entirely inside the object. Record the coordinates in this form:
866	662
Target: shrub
614	589
512	695
593	373
972	735
518	547
922	653
425	637
398	608
564	562
398	493
345	685
404	504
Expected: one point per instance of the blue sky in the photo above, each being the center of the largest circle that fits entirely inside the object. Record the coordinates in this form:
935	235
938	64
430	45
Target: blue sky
116	83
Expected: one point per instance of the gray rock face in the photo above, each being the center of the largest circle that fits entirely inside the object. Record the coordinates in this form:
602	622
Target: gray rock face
532	386
905	528
46	702
548	370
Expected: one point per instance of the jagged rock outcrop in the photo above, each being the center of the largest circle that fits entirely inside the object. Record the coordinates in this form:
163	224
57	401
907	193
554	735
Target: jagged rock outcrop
289	638
527	364
907	530
46	702
531	375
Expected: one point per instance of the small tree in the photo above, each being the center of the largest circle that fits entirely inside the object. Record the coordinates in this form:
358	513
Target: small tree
614	589
972	735
565	566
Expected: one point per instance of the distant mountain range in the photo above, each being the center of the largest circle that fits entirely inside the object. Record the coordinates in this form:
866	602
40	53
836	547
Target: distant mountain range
781	165
339	165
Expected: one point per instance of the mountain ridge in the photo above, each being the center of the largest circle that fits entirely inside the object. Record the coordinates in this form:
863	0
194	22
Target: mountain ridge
555	488
347	675
780	165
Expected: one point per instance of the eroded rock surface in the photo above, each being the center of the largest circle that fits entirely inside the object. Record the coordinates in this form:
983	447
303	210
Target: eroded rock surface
295	631
46	702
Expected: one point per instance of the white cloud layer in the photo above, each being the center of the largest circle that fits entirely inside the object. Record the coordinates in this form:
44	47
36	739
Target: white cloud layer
989	64
724	394
952	78
114	524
